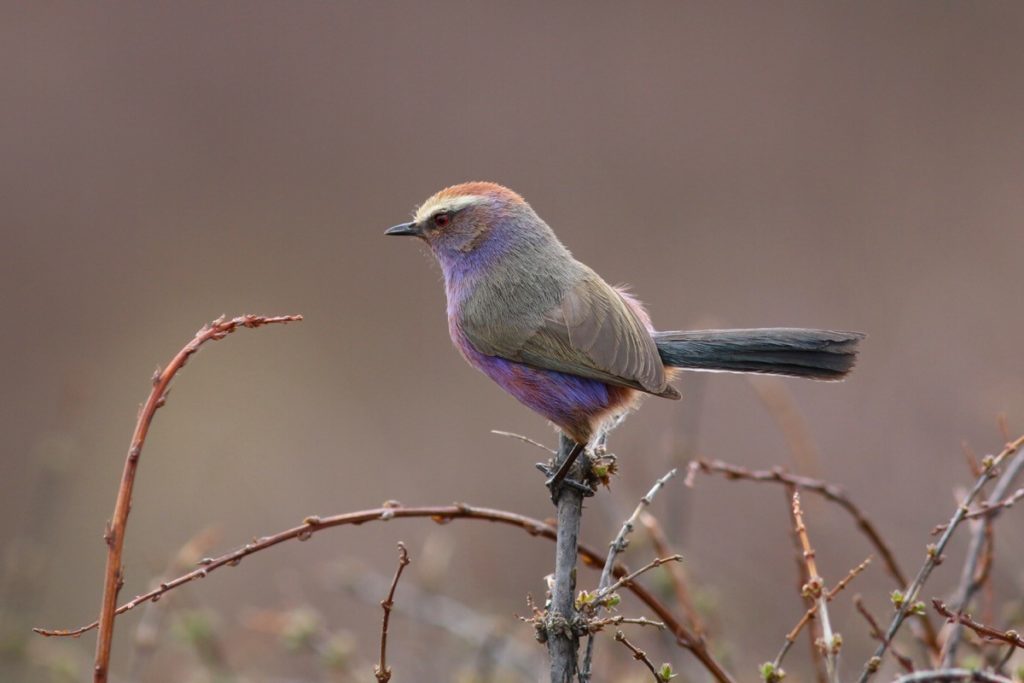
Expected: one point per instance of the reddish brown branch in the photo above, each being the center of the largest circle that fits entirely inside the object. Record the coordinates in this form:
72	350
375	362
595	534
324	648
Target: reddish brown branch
986	509
814	589
1011	638
382	671
639	655
115	531
441	514
829	492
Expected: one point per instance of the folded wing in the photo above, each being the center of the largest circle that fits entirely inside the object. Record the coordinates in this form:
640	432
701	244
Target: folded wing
592	333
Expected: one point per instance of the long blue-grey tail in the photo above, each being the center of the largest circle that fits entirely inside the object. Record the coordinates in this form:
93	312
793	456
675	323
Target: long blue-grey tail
814	354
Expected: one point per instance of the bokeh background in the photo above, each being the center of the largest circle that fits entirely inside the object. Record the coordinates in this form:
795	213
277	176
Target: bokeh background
846	165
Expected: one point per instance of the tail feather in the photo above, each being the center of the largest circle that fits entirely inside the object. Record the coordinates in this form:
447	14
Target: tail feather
814	354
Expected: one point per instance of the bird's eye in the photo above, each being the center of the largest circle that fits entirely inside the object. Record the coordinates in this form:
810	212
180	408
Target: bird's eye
442	219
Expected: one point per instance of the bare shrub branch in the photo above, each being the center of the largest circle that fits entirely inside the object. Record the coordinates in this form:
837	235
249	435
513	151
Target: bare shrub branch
815	589
382	671
115	532
1012	638
639	655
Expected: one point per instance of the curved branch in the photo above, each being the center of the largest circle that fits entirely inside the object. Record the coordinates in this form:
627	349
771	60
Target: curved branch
115	531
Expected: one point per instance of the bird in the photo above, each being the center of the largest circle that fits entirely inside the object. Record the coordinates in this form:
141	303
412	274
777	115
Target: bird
553	334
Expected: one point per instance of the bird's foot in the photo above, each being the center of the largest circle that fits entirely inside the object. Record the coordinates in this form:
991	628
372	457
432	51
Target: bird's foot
558	479
556	486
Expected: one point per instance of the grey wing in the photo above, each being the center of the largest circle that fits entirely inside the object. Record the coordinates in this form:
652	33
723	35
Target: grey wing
594	333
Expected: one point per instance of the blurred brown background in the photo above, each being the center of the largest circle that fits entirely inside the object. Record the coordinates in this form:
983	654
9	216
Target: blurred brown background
844	165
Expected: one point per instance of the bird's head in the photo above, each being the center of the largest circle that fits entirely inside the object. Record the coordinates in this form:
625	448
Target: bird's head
470	219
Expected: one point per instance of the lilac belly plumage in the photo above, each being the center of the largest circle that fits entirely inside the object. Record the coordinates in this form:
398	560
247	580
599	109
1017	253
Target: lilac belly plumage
576	404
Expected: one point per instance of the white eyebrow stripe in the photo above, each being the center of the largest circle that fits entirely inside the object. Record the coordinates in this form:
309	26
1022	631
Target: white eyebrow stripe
448	204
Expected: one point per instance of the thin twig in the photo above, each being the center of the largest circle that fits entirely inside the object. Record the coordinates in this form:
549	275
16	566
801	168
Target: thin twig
639	655
969	579
986	509
814	588
831	493
802	578
951	676
621	541
484	634
382	671
526	439
1012	638
595	625
614	548
908	601
113	578
628	579
773	671
876	632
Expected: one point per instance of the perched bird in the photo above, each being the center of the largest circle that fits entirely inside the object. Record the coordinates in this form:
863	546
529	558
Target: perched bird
564	342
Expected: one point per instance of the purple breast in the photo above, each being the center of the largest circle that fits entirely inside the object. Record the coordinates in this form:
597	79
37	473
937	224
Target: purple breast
576	404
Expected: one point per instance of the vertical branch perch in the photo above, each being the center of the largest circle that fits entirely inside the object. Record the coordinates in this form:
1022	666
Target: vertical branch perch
115	531
382	671
561	624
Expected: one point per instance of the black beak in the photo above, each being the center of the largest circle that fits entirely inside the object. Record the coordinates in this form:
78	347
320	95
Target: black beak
405	229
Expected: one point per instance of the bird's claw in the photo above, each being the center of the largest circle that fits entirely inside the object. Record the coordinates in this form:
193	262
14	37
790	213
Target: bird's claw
556	487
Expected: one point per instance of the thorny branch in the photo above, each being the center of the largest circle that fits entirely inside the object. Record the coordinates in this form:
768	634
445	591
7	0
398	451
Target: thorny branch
814	589
382	671
820	674
1012	638
908	600
115	532
641	656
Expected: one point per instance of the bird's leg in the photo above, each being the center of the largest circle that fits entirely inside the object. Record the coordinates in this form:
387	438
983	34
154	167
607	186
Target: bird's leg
558	480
